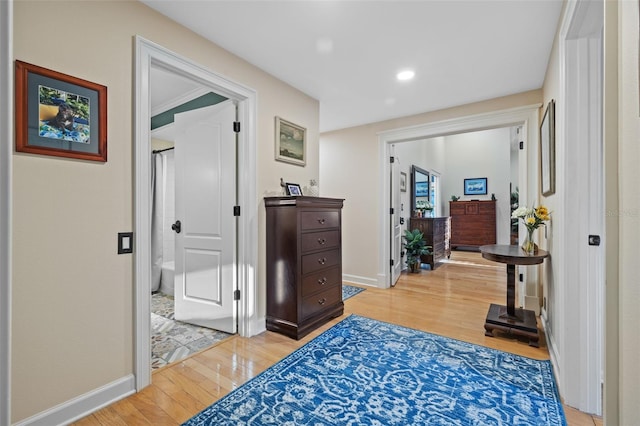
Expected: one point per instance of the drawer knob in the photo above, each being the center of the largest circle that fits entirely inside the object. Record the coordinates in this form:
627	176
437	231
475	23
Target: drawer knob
322	301
322	281
322	260
322	241
321	221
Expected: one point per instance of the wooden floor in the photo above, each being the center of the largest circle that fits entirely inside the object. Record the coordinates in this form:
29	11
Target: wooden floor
451	301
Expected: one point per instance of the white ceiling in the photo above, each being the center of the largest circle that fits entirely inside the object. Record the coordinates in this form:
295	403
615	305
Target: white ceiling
346	53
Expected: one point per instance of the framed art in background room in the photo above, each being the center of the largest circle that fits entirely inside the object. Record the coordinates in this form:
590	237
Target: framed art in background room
291	142
548	150
59	115
475	186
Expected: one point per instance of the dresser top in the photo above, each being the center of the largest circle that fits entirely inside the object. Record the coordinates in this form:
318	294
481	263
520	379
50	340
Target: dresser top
303	201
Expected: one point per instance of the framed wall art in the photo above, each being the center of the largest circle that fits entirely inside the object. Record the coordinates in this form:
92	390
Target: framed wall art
59	115
475	186
403	182
548	150
291	142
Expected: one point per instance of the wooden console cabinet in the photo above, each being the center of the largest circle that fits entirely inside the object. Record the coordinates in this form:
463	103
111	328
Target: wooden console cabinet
436	232
473	223
304	263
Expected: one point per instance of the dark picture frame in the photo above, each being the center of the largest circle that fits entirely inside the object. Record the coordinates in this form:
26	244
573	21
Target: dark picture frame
420	179
293	189
59	115
548	150
475	186
291	142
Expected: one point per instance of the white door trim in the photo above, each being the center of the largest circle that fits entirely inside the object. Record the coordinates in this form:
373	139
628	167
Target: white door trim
527	116
578	354
148	53
6	153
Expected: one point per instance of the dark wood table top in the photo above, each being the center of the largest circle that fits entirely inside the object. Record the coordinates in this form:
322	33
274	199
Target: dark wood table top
512	254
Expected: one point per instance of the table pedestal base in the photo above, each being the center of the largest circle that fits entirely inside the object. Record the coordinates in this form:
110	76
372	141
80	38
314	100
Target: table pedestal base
523	323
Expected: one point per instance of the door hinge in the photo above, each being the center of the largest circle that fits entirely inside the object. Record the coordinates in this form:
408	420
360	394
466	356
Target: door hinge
236	126
594	240
236	210
391	262
391	210
392	159
521	144
236	295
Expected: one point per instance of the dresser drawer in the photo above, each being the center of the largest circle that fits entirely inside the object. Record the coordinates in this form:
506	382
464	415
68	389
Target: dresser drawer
319	240
321	260
316	303
322	280
320	219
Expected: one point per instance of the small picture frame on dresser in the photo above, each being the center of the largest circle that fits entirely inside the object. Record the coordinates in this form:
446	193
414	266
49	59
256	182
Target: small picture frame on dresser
293	189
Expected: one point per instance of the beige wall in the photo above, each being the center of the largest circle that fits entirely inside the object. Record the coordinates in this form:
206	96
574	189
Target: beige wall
72	294
628	214
350	169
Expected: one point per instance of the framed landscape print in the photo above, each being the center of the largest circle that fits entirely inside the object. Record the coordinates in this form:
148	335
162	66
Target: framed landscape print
59	115
291	142
475	186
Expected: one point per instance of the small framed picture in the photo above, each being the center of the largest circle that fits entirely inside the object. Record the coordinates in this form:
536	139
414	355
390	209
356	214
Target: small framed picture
475	186
59	115
548	150
291	142
403	182
293	189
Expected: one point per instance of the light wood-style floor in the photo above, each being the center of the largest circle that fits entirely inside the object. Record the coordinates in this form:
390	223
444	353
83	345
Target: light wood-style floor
451	301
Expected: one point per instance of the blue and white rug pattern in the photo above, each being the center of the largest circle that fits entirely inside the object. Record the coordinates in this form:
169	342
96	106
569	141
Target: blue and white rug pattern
350	291
367	372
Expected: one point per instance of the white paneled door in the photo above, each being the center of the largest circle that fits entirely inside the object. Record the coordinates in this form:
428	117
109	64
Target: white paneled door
205	263
396	226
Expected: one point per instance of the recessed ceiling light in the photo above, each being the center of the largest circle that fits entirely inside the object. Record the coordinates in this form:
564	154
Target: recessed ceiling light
405	75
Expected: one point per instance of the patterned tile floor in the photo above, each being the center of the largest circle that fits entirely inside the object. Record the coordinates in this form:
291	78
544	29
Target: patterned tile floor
173	340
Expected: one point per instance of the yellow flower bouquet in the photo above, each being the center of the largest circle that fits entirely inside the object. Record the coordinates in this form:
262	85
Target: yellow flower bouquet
533	218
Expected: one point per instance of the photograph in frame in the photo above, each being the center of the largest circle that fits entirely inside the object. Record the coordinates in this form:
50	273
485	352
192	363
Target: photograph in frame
293	189
59	115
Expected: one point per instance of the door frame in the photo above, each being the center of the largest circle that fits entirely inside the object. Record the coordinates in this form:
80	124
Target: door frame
578	352
147	54
6	154
525	116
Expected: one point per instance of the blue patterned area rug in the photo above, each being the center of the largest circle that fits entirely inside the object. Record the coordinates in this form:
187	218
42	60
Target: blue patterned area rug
367	372
350	291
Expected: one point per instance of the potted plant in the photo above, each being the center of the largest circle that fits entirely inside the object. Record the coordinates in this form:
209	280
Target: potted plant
414	247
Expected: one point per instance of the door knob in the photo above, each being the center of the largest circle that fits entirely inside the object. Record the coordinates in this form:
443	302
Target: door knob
177	226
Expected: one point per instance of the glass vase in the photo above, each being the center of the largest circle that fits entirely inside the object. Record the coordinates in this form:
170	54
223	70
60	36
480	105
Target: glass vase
529	246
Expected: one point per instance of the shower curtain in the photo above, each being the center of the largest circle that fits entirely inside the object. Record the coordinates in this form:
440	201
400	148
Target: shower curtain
157	218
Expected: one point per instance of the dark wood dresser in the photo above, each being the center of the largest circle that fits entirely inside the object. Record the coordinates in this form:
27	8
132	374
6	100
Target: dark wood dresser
473	223
304	263
436	231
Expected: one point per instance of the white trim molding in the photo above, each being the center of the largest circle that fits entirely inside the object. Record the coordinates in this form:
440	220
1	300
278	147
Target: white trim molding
357	279
525	116
579	294
6	152
149	54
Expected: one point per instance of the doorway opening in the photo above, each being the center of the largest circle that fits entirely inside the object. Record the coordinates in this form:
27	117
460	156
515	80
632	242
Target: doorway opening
525	117
150	55
175	336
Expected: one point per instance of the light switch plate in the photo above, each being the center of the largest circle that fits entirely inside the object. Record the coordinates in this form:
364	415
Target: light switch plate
125	242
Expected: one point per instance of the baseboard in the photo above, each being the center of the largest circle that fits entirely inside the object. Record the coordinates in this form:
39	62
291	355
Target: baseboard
355	279
258	326
553	351
83	405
